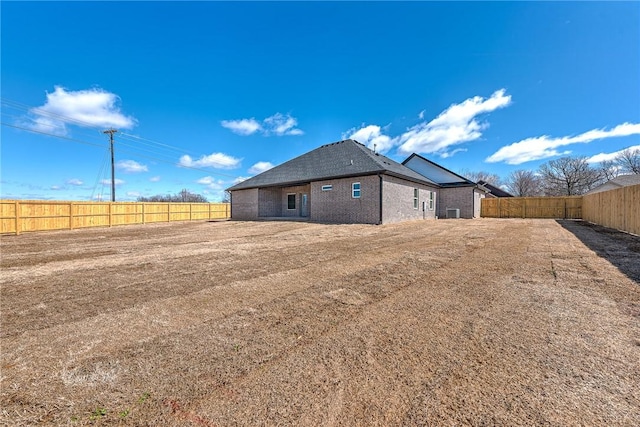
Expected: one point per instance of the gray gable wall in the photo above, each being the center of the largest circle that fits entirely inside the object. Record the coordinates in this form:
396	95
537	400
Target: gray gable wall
435	172
339	159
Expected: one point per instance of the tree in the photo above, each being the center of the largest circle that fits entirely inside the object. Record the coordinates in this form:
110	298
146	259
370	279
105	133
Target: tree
524	183
609	169
568	176
629	160
488	177
184	196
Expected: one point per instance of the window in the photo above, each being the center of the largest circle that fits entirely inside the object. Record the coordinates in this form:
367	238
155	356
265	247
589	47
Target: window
355	190
291	201
415	198
327	187
432	196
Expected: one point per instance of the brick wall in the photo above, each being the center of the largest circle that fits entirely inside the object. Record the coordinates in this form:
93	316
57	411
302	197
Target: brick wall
244	204
457	198
338	205
398	203
270	202
297	190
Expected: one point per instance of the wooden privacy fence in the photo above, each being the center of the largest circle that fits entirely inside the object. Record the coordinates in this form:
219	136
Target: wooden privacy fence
569	207
17	216
619	208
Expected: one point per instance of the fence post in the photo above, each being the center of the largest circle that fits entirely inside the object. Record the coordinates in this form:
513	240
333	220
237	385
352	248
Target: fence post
70	215
143	212
110	214
190	211
17	218
169	212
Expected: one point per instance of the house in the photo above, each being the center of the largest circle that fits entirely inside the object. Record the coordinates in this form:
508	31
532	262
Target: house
459	196
494	191
617	182
342	182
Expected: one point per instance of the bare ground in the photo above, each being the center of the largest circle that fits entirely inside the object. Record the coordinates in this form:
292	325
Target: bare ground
480	322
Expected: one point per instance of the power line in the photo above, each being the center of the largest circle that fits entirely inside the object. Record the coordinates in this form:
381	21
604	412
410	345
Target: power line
125	151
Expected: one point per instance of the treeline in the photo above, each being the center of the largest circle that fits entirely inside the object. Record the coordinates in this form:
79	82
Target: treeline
566	176
184	196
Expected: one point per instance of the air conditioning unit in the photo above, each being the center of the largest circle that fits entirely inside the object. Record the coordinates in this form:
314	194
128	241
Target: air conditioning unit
453	213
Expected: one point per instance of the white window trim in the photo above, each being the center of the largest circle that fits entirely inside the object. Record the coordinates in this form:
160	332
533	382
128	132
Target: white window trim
432	200
416	199
353	190
294	201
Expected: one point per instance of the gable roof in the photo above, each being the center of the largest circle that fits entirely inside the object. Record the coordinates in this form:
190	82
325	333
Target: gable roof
496	191
340	159
617	182
435	172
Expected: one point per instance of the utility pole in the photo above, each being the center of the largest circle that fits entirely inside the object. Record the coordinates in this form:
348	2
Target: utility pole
113	169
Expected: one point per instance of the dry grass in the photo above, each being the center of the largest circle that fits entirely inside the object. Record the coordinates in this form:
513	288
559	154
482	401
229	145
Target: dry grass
501	322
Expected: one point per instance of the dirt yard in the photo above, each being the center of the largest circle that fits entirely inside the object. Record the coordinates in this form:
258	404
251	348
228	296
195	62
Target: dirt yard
450	322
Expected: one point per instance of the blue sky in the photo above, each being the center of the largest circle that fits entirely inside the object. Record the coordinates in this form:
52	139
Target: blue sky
206	93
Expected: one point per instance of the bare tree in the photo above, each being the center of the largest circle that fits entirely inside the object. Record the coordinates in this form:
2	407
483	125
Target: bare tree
629	160
524	183
476	176
609	169
184	196
568	176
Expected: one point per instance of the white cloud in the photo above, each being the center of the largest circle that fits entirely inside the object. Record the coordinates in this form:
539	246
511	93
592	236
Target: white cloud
543	147
212	183
131	166
279	124
75	181
47	125
55	187
214	160
260	167
455	125
154	179
609	156
452	152
371	136
89	108
240	179
108	181
242	126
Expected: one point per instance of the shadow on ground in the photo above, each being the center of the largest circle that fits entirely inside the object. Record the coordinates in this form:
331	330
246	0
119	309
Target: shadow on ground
620	249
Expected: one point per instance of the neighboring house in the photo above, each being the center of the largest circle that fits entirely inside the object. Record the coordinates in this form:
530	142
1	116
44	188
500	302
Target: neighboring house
458	195
342	182
617	182
494	191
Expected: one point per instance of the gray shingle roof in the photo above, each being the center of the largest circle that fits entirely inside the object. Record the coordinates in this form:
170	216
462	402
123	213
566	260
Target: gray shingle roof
626	180
339	159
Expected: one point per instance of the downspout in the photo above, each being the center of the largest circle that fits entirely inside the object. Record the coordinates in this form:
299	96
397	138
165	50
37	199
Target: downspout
380	222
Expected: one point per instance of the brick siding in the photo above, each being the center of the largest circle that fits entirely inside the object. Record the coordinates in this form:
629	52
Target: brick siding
397	204
244	204
338	206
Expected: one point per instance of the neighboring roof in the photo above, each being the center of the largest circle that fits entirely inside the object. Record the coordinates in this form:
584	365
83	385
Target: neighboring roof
617	182
496	191
435	172
337	160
